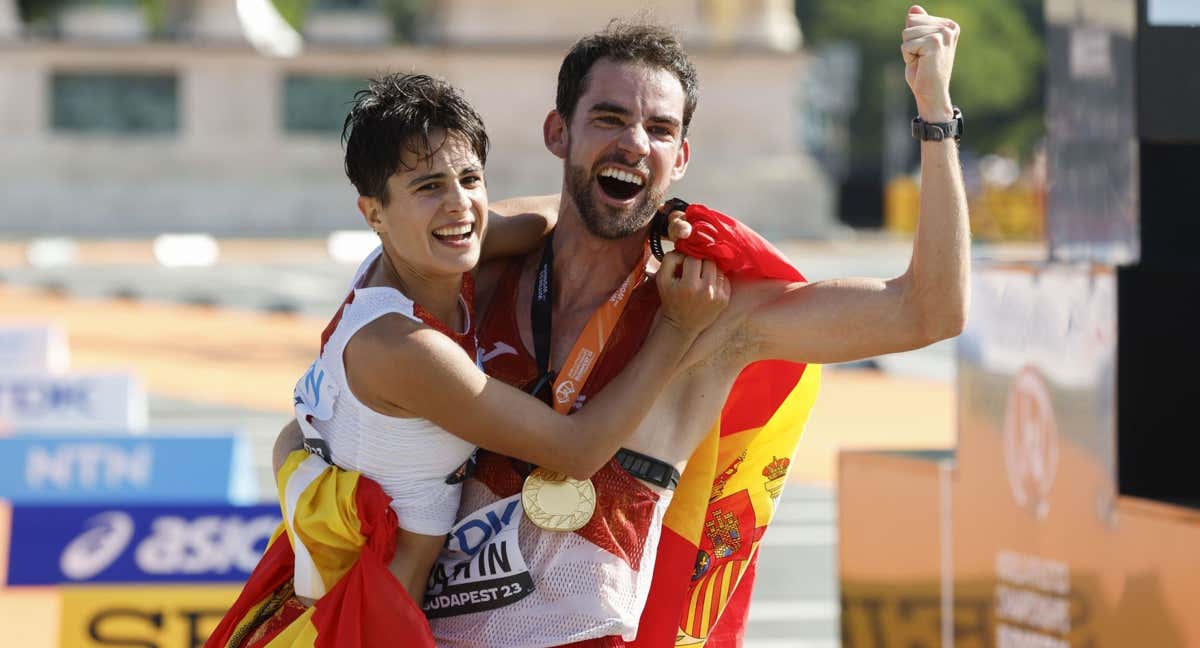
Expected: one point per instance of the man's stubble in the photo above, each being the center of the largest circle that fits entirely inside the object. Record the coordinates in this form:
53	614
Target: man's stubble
602	220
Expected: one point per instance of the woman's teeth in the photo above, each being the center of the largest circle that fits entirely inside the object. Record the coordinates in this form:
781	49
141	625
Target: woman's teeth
454	231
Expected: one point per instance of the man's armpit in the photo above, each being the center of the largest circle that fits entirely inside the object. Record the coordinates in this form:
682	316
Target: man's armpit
732	349
731	342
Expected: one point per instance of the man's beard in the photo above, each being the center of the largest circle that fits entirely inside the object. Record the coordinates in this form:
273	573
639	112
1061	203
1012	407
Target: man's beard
605	221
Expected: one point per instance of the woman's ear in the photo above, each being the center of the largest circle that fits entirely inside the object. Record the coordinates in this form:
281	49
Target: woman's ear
372	212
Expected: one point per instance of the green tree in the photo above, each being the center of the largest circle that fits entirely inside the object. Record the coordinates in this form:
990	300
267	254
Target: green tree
998	71
293	11
40	14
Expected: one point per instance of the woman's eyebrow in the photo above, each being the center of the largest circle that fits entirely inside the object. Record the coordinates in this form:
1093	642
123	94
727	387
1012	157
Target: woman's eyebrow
437	175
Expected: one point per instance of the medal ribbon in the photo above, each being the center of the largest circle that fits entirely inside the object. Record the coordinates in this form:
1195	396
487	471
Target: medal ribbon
590	344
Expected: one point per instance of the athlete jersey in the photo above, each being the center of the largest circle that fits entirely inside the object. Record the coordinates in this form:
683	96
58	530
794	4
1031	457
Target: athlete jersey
409	457
705	550
578	585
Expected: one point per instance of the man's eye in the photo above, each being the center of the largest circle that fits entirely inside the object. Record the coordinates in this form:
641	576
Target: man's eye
609	120
662	131
428	186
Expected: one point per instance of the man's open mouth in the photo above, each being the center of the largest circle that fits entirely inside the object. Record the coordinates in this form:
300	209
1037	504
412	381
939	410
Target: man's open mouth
454	233
619	184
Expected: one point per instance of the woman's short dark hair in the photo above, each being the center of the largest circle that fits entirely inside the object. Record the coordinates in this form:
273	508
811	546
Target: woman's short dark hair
624	41
398	113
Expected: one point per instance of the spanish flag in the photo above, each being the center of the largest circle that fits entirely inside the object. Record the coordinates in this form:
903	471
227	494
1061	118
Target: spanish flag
700	593
337	537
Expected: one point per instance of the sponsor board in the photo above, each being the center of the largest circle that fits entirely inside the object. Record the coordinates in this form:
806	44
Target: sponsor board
158	617
33	348
78	401
90	468
53	545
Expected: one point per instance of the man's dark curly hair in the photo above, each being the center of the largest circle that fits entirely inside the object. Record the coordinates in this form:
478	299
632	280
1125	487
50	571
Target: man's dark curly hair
398	113
624	41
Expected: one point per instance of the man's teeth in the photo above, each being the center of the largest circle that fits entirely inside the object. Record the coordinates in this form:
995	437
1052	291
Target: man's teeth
453	230
622	176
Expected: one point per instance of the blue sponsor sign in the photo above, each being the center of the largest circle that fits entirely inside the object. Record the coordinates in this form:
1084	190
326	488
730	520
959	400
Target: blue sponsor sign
137	544
127	468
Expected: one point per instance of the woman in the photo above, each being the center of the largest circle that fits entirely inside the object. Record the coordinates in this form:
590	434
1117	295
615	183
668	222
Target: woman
396	392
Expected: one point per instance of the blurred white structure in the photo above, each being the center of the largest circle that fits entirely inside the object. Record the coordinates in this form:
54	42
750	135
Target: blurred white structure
10	20
266	30
204	134
756	24
214	21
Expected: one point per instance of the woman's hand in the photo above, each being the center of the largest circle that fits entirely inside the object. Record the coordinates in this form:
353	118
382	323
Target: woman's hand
694	292
678	227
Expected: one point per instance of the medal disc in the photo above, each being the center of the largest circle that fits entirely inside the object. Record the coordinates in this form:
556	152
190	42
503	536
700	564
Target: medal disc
555	502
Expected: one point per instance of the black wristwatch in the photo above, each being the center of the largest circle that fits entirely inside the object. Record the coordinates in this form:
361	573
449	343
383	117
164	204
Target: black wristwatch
938	131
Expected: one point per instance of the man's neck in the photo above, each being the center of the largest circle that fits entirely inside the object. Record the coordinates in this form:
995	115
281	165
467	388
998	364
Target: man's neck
587	268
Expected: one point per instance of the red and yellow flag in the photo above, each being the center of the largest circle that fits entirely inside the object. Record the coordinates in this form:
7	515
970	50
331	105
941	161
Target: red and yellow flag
344	530
726	497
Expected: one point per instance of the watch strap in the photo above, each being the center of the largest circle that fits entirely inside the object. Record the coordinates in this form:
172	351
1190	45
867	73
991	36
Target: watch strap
938	131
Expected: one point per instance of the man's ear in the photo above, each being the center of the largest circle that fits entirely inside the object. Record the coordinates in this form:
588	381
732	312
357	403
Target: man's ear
681	160
372	212
554	133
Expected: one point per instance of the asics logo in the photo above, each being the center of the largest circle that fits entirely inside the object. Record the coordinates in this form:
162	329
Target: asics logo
106	538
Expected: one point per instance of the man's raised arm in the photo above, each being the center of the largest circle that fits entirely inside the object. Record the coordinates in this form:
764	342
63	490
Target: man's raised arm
847	319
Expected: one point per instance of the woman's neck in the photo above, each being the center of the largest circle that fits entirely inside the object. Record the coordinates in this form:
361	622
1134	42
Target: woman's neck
437	294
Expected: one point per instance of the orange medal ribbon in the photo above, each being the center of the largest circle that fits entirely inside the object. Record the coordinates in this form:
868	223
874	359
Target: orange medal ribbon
591	341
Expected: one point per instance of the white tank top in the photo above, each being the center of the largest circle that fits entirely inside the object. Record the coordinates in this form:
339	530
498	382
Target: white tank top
409	457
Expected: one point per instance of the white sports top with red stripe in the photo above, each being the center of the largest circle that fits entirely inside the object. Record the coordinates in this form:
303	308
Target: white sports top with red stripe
586	584
409	457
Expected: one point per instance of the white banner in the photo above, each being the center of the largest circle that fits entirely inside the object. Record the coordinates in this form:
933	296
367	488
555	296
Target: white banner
33	348
1165	13
107	402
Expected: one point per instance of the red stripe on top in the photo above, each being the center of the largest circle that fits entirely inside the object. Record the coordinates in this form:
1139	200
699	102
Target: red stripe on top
466	340
333	323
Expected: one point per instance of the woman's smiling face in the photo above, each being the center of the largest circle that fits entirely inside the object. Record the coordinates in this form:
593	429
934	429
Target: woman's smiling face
436	207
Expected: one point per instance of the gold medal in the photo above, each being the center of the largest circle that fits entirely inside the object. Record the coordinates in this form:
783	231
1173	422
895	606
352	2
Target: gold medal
555	502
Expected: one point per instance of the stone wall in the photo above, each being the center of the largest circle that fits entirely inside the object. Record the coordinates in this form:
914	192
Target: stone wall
232	170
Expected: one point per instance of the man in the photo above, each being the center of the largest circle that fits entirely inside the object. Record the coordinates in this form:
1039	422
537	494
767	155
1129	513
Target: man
625	101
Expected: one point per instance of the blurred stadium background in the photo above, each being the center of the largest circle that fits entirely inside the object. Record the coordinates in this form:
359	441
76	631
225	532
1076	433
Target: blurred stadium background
176	228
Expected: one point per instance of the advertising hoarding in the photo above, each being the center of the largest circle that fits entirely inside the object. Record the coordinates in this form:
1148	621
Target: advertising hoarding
80	401
91	468
33	348
160	617
52	545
